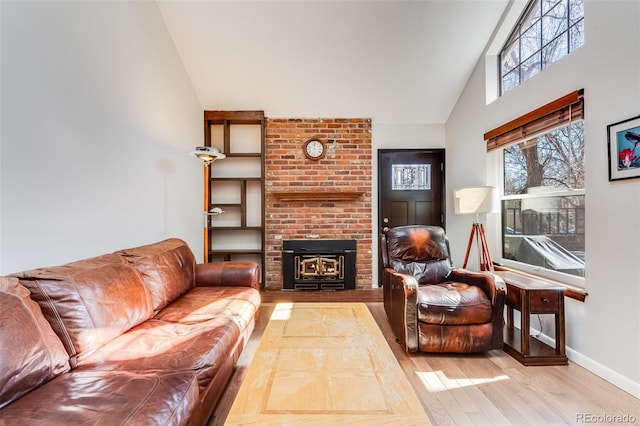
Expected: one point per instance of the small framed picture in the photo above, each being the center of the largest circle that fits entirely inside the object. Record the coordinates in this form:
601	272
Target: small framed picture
624	149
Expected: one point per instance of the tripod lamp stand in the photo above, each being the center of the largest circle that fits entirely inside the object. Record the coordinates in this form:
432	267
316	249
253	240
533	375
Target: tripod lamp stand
476	200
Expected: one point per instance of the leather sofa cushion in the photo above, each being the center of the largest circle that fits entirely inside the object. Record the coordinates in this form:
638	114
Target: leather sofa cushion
202	304
107	398
90	302
167	269
453	303
160	345
32	354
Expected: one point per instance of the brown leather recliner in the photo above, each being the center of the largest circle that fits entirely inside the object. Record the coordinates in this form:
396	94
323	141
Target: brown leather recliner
431	306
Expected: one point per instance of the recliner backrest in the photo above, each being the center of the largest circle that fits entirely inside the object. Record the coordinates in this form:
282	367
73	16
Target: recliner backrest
419	250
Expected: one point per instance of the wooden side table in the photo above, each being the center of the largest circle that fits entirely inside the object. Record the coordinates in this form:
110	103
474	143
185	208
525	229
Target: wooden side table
532	296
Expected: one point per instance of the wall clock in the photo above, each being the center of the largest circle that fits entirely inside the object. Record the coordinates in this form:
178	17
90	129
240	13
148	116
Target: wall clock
314	149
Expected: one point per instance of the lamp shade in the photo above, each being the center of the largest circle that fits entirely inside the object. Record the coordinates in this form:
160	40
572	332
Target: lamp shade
477	199
207	154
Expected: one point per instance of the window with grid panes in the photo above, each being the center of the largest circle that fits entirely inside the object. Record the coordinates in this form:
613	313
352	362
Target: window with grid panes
547	31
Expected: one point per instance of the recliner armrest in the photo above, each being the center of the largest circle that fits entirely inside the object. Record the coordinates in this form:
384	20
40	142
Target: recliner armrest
408	280
496	290
403	316
491	284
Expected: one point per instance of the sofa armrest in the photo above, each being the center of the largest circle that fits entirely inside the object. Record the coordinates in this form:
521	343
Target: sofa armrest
228	274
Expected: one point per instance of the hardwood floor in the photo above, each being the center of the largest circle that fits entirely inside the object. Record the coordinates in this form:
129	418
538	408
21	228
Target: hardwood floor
477	389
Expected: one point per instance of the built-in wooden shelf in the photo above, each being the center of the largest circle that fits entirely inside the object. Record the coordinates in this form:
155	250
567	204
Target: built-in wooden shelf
317	195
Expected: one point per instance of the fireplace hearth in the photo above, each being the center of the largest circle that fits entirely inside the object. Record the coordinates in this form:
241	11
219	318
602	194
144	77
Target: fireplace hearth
319	264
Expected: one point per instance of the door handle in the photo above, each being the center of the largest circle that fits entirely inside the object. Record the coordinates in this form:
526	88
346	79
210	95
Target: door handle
385	229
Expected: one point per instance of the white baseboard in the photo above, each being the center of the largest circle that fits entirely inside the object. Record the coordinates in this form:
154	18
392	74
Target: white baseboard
596	368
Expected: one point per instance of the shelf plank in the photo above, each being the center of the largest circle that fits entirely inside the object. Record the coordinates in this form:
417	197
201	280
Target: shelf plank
226	204
238	179
236	251
539	352
235	228
240	117
243	155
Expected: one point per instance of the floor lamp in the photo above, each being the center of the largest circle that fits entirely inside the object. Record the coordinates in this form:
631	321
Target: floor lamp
208	155
476	200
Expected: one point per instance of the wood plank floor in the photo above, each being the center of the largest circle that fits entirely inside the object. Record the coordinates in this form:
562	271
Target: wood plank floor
477	389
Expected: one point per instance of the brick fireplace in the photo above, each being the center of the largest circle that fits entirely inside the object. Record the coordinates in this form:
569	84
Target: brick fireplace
314	200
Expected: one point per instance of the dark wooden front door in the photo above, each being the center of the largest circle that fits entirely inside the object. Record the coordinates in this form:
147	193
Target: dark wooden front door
410	187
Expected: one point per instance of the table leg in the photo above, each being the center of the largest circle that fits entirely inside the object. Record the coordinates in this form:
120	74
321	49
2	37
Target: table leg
525	318
560	327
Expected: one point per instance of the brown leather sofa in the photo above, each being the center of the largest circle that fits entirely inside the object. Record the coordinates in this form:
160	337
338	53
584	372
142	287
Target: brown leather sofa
432	306
142	336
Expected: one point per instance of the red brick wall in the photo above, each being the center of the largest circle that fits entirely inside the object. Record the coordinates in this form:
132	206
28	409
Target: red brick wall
345	168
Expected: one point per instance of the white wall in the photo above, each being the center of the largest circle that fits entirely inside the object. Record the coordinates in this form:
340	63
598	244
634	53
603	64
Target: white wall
603	333
98	117
343	58
387	135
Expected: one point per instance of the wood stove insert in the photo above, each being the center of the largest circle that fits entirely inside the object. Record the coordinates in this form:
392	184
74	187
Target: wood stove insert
319	264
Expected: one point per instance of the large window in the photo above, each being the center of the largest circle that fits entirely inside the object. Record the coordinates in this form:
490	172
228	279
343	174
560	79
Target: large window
543	202
547	31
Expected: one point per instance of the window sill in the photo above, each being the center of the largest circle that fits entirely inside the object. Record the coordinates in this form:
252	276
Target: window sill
571	292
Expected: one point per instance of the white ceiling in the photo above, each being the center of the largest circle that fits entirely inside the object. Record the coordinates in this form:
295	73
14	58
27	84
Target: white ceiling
395	61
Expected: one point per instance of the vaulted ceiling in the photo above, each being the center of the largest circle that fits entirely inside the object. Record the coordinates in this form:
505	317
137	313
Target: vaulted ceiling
396	61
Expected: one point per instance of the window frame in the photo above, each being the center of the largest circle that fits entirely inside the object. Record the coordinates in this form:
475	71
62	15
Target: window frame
556	114
525	24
